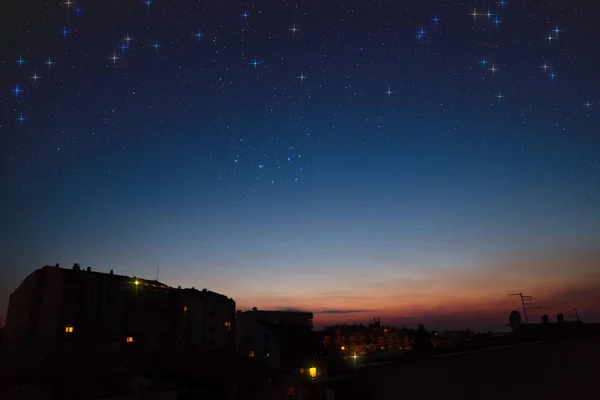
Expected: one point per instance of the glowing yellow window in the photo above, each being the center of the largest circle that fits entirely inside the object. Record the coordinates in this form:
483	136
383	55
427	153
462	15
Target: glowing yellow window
185	308
129	339
290	391
251	353
228	325
68	329
312	372
343	348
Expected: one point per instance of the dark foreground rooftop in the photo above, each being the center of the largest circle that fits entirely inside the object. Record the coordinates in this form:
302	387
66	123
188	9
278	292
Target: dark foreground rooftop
553	369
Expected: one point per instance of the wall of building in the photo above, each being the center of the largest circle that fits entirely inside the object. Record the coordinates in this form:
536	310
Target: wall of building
18	343
78	315
253	339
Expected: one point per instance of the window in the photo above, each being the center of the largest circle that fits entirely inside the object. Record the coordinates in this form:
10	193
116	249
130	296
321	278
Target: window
211	314
68	329
184	308
289	391
251	353
228	325
129	339
312	372
343	348
266	353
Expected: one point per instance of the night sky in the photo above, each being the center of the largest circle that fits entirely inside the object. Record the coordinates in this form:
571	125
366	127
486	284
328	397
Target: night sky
414	160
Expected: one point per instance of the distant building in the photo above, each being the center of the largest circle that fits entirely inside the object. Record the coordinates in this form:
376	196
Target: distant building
75	314
360	340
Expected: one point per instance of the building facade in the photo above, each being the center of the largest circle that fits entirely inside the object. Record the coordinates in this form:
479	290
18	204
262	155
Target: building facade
70	314
270	336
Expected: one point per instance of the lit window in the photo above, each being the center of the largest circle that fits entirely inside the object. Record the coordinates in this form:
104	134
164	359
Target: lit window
68	329
343	348
184	308
290	391
228	325
129	339
312	371
251	353
301	370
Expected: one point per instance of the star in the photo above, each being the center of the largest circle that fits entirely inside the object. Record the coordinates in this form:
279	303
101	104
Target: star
545	66
556	30
483	62
21	118
64	32
148	3
502	3
20	61
497	22
489	14
474	14
127	38
255	63
17	90
493	69
245	15
78	10
552	75
156	45
49	62
198	34
114	58
421	33
68	3
436	20
294	29
261	166
302	77
587	105
550	38
389	92
35	77
499	96
123	47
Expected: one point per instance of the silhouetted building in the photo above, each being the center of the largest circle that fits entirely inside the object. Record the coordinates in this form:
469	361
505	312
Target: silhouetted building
278	338
74	315
277	317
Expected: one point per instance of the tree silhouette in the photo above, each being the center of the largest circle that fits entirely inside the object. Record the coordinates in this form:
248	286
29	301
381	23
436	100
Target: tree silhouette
422	340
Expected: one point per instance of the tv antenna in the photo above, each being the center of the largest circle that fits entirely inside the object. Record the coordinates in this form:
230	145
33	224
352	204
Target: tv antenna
527	303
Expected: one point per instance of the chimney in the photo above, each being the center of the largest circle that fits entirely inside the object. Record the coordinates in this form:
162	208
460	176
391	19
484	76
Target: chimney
111	272
76	267
204	290
254	308
57	265
544	319
89	269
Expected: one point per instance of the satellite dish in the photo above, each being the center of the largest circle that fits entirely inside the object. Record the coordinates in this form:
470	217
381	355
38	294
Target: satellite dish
514	320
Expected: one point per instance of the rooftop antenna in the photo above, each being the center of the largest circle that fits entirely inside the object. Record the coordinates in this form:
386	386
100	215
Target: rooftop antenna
157	267
527	304
576	314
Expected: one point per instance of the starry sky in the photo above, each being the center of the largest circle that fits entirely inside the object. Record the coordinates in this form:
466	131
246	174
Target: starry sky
414	160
